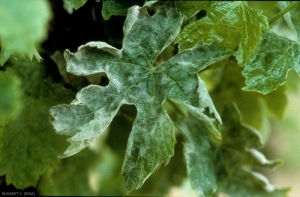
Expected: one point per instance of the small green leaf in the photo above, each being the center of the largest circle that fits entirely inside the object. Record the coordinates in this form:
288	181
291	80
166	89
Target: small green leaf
23	26
272	60
134	80
76	4
28	144
198	153
224	22
118	7
10	99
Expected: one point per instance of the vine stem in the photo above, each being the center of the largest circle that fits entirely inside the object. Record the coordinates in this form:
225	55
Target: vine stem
282	12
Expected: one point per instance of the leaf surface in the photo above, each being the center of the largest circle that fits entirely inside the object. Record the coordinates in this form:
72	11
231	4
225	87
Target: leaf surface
10	100
28	144
223	23
134	80
188	9
198	153
292	17
252	105
76	4
23	26
56	179
118	7
233	159
274	58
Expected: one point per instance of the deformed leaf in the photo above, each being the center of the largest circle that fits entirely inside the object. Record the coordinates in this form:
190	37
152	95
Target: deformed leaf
230	166
223	23
272	60
28	144
10	99
23	26
134	80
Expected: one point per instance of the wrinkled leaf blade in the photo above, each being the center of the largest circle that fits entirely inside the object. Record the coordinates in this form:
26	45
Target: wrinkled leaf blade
189	9
223	23
274	57
252	105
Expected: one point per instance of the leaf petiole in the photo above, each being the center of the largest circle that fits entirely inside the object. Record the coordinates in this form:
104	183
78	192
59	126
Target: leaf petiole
282	12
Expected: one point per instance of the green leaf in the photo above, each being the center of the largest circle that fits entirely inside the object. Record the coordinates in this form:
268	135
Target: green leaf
237	156
189	9
198	154
118	7
23	26
110	7
224	22
229	162
28	144
10	100
134	80
76	4
292	17
251	104
56	180
274	57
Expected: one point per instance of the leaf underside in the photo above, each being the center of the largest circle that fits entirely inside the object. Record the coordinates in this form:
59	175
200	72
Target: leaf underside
134	80
274	57
224	22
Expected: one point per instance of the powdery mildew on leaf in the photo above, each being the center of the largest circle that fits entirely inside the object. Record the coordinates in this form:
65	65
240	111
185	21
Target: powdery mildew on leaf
223	23
229	168
274	57
198	153
134	80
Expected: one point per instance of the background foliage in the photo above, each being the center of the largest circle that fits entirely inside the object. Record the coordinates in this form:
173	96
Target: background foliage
140	90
